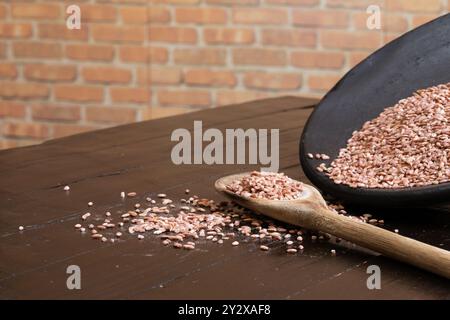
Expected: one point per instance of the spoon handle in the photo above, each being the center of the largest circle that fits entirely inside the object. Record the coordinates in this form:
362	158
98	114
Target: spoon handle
387	243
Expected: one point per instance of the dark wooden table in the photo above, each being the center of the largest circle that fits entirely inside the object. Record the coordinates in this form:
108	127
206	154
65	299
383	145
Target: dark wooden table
99	165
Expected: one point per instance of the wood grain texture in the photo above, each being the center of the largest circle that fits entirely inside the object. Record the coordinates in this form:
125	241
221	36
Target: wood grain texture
101	164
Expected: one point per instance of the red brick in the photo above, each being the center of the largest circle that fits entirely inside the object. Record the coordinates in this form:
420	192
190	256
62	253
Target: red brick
134	15
201	15
106	74
233	2
184	98
159	75
60	31
388	37
297	38
15	30
134	95
56	112
112	33
228	36
50	72
263	80
350	39
158	14
143	54
9	143
172	34
2	50
259	56
233	96
97	13
23	90
22	129
322	82
8	70
111	115
88	52
14	143
203	56
36	10
3	11
78	93
37	50
305	3
63	130
162	112
143	75
420	19
321	18
210	78
12	109
157	55
389	22
139	15
314	59
420	6
357	56
354	4
181	2
260	16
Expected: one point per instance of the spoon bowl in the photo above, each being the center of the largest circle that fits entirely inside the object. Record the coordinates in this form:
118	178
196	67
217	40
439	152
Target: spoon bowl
310	211
279	209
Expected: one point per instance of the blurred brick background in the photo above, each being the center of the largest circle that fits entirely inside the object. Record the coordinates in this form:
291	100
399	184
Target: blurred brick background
142	59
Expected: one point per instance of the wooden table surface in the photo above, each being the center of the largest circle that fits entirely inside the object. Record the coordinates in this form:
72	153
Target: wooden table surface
100	164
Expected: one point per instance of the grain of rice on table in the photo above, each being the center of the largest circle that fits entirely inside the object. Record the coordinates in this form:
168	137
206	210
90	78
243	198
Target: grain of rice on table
182	229
187	222
407	145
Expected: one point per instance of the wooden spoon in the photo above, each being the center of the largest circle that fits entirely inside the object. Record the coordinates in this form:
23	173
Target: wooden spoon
311	212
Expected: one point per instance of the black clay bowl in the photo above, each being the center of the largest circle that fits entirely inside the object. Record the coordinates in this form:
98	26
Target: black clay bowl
418	59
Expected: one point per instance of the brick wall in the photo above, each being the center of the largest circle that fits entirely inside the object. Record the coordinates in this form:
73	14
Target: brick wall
141	59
